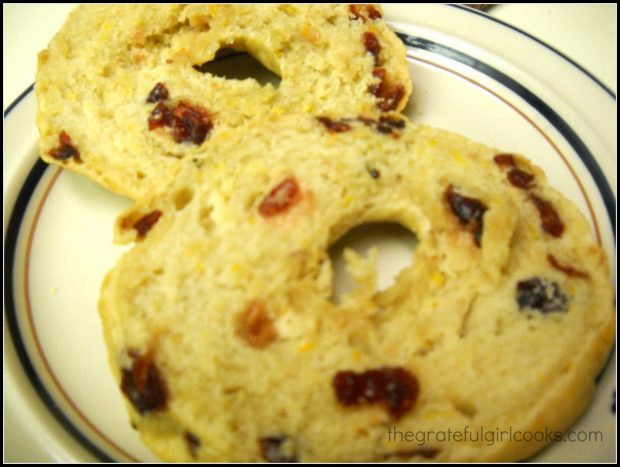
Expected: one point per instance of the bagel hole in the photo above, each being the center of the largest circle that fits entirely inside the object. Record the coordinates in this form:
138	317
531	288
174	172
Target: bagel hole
232	64
395	246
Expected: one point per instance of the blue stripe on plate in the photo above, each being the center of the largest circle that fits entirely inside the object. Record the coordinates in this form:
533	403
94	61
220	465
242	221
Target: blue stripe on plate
10	248
18	100
539	41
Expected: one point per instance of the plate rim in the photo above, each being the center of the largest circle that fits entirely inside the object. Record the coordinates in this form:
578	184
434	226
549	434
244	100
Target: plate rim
11	239
551	48
38	169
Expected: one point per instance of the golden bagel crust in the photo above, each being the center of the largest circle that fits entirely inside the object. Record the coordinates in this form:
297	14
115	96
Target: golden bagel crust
95	77
226	298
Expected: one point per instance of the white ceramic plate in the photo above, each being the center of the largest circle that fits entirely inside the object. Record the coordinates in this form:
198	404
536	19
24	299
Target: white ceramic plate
472	75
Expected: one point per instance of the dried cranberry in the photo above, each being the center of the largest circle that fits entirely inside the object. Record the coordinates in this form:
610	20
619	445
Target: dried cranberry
520	179
160	116
386	124
395	387
281	198
388	95
255	327
66	149
373	13
504	161
384	129
516	177
349	387
144	224
550	219
364	12
568	270
391	97
189	123
372	123
271	449
392	121
193	443
143	384
158	93
401	391
381	74
374	173
334	126
541	294
372	45
355	12
469	212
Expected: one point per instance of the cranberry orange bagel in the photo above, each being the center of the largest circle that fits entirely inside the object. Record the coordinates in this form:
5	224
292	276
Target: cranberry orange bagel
123	94
227	345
